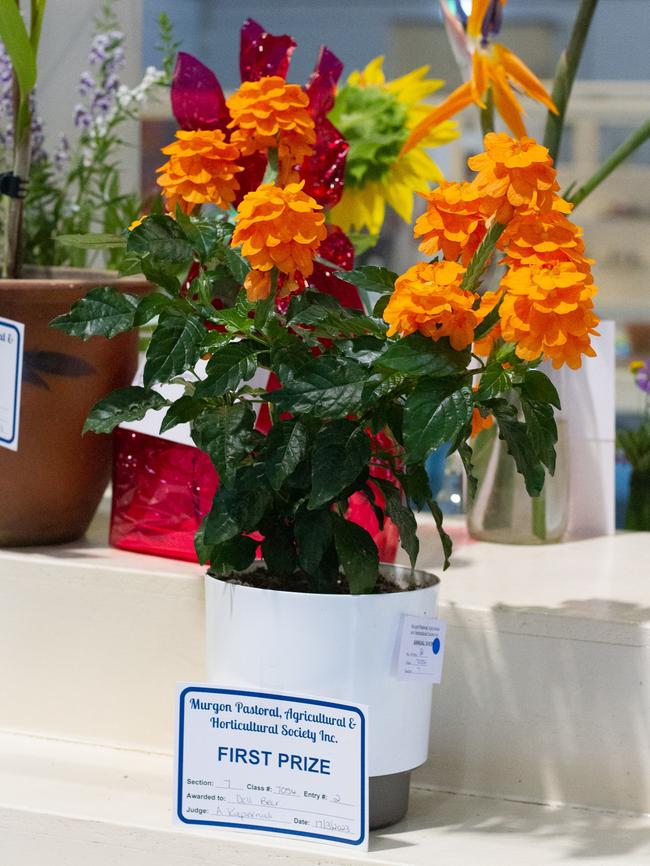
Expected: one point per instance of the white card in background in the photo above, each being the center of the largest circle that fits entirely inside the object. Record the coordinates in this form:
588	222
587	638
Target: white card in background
272	763
12	338
421	649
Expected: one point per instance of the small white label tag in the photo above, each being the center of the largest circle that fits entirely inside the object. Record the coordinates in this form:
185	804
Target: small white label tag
12	338
421	649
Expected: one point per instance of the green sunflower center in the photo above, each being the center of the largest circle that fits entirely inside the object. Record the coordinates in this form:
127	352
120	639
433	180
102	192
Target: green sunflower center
374	123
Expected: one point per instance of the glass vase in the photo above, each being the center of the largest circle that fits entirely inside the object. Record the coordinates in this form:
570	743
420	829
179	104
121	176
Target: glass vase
502	511
637	515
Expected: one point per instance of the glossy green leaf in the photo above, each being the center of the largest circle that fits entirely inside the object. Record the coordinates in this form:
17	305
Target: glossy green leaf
237	508
417	355
103	312
357	554
286	446
236	264
313	533
151	306
224	434
181	411
175	347
326	387
516	436
341	453
403	518
445	540
160	238
236	554
435	413
538	387
370	278
231	364
124	404
279	551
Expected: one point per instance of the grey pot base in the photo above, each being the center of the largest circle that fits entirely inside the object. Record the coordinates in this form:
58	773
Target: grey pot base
388	799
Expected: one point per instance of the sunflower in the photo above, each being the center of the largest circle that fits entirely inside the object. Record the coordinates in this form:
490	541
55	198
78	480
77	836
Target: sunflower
376	116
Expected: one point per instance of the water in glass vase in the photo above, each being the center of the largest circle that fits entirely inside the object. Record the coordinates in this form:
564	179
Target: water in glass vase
502	511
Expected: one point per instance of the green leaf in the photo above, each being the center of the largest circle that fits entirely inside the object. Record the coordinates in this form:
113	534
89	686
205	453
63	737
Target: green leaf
279	551
445	540
415	482
542	431
238	508
236	554
493	382
92	241
370	278
313	533
402	517
160	238
18	46
207	235
342	323
517	439
224	434
326	387
236	264
124	404
286	446
175	346
233	363
435	412
103	312
151	306
341	453
357	554
417	355
538	387
466	453
182	411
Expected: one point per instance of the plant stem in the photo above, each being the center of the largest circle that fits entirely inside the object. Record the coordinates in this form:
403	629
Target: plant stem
620	155
12	259
481	258
538	507
487	114
565	74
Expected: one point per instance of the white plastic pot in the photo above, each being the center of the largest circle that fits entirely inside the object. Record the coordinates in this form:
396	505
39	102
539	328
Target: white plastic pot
342	647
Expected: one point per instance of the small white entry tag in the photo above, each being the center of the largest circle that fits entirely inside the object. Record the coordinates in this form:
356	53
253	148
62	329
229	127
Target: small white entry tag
421	649
273	763
12	338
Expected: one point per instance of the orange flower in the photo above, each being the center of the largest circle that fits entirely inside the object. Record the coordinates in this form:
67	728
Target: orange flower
548	310
480	423
279	227
428	298
201	170
257	285
543	238
494	70
452	222
514	175
271	113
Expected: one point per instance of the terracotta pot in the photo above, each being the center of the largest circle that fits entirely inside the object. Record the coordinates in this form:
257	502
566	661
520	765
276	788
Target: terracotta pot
50	488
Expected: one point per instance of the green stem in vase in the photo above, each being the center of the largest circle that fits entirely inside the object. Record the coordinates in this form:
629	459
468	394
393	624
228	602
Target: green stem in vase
538	506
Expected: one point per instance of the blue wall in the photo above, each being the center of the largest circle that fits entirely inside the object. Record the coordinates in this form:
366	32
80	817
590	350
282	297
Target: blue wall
619	45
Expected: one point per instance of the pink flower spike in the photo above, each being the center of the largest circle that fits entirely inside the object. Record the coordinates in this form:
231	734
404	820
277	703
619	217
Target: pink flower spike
197	98
262	54
321	87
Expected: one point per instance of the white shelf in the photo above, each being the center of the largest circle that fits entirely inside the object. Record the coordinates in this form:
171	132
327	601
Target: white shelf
64	804
545	694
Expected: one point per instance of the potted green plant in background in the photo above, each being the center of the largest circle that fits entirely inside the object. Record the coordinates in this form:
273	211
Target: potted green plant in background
635	445
239	291
52	484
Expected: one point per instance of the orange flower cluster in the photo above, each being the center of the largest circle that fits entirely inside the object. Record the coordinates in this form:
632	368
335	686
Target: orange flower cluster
271	113
547	307
429	298
201	169
480	423
513	175
278	227
548	310
452	223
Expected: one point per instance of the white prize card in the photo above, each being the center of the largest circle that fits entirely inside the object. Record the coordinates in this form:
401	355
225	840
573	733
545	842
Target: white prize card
421	649
272	763
12	338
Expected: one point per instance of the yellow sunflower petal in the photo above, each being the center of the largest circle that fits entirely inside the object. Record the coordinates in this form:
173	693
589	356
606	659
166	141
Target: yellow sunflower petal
413	87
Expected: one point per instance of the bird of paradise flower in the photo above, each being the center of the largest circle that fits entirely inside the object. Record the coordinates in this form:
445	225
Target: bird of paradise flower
493	71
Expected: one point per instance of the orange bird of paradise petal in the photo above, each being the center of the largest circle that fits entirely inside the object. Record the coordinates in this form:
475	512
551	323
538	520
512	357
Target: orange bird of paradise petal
494	68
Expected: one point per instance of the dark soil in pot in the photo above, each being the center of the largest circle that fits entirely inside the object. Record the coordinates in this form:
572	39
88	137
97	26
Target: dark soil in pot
259	577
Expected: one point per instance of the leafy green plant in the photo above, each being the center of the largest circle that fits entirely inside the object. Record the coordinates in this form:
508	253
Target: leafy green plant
351	398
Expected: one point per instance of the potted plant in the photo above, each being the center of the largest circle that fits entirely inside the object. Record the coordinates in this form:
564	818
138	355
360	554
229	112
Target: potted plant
635	445
237	292
53	483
